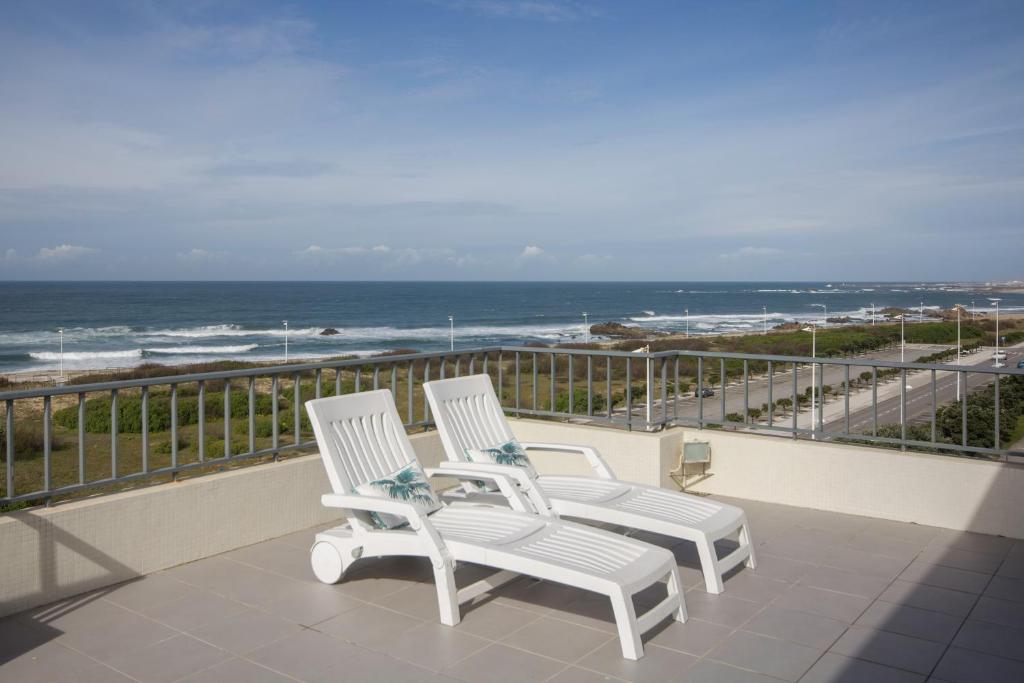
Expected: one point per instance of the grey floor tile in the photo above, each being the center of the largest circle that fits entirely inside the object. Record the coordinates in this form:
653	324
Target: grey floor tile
782	568
880	566
169	660
983	563
797	627
557	639
658	665
147	591
243	632
710	671
696	637
994	639
574	674
1012	567
945	600
499	663
835	668
304	654
910	621
310	604
779	658
1005	588
418	600
494	620
237	670
113	634
971	541
53	663
932	574
889	649
840	606
998	611
720	609
843	581
370	626
885	545
196	608
436	647
364	666
752	586
969	666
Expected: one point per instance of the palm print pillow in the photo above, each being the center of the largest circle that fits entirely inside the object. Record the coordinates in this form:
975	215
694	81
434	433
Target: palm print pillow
508	453
408	485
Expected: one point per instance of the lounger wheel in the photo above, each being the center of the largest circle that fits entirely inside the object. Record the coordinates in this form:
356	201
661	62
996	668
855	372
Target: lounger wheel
327	561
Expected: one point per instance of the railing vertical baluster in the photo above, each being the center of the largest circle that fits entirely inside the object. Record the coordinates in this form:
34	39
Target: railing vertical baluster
275	432
48	444
81	438
458	365
771	390
9	433
629	392
608	383
113	433
746	391
821	398
252	410
533	387
201	418
410	380
357	387
963	409
517	384
874	400
998	436
796	404
721	381
426	403
486	356
903	409
227	418
664	391
145	429
846	399
174	426
297	404
376	377
649	393
572	395
394	382
934	406
590	385
501	379
442	365
472	363
552	387
675	390
337	381
317	378
700	392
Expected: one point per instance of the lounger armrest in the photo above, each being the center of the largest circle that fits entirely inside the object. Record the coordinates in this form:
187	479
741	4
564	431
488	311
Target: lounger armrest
520	476
594	458
436	549
508	488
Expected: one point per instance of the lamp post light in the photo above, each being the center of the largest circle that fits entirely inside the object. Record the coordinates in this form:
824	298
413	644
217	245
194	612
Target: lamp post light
451	332
687	311
764	328
998	363
60	330
586	327
285	340
903	347
813	329
958	308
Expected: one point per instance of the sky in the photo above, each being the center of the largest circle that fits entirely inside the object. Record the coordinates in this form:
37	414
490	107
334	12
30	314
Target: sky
511	139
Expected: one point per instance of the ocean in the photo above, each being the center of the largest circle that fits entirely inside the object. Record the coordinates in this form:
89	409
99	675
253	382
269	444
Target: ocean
121	324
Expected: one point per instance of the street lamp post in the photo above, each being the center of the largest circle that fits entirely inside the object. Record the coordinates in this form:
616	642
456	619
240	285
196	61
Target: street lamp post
687	311
451	332
764	329
920	313
958	307
586	327
285	340
872	314
974	312
998	363
61	331
814	353
903	347
824	307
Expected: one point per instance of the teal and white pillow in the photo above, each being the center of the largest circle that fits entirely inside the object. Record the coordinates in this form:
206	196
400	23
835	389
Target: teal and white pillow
408	485
508	453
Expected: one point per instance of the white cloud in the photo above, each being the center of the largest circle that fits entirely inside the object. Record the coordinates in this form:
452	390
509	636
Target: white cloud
533	251
386	256
751	252
62	252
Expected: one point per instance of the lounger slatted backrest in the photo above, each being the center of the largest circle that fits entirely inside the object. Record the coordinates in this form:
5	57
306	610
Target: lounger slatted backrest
365	439
475	418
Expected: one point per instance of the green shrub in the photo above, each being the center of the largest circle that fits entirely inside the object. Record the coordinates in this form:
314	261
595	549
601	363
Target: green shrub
579	402
28	441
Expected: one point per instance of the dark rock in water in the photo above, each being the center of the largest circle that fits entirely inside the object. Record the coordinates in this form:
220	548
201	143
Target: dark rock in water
619	331
329	332
785	327
839	319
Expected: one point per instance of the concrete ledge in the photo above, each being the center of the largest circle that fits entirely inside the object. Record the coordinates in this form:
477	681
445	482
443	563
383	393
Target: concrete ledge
57	552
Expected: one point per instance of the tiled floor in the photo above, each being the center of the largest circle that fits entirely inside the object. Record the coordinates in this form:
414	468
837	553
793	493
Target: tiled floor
835	598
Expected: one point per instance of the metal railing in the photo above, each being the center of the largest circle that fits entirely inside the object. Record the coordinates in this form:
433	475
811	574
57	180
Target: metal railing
195	419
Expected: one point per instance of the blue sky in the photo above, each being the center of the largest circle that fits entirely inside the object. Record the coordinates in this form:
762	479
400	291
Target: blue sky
511	139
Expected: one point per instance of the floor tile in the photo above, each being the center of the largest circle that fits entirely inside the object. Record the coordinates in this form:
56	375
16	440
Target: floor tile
968	666
983	563
754	587
237	671
945	600
998	611
889	649
193	610
709	671
797	627
696	637
779	658
658	664
304	654
973	542
994	639
932	574
169	660
243	632
574	674
436	647
499	663
53	663
310	604
364	666
910	621
146	591
370	626
494	620
840	606
835	668
842	581
555	638
720	609
1005	588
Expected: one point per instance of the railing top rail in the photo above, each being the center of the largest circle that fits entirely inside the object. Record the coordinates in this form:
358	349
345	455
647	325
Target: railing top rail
268	370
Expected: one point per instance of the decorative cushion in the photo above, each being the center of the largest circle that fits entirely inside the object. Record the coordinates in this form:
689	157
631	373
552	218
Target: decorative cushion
408	485
509	453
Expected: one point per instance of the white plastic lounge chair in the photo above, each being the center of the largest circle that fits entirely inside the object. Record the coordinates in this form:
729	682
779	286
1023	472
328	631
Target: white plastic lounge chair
361	440
468	416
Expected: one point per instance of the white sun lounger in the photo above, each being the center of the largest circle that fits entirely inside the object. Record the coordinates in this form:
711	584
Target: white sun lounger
361	439
468	416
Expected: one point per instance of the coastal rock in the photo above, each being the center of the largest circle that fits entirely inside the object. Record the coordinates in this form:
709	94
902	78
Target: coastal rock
330	331
619	331
839	319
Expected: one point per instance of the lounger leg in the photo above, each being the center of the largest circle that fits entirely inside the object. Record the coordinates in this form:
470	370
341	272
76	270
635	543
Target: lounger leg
629	631
750	562
675	587
709	565
447	595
